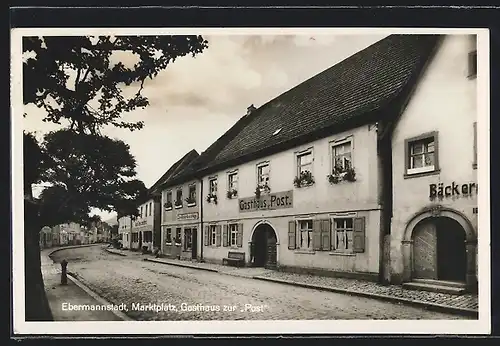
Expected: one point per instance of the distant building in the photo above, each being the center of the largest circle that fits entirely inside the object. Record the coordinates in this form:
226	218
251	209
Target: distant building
125	231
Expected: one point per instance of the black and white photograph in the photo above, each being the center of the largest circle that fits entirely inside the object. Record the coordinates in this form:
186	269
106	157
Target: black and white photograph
256	180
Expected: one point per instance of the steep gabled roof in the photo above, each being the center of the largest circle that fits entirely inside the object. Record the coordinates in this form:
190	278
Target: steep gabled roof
175	170
360	89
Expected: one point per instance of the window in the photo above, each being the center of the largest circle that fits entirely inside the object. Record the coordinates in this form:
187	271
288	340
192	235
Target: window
146	214
263	174
305	228
233	234
148	236
187	238
422	154
135	237
169	197
150	208
192	195
232	179
304	162
178	235
342	156
342	238
212	184
141	211
474	163
472	73
213	234
168	236
178	198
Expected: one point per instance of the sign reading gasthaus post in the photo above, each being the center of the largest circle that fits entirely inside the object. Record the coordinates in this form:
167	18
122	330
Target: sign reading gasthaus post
278	200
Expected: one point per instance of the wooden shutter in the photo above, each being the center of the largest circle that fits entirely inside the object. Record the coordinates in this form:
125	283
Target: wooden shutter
325	235
292	232
224	235
206	236
239	236
316	235
359	234
218	235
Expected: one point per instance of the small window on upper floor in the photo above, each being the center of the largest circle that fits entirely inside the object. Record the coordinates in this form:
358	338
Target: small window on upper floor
422	154
263	175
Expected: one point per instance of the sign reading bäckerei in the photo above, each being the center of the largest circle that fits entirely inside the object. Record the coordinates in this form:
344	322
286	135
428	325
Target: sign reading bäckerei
278	200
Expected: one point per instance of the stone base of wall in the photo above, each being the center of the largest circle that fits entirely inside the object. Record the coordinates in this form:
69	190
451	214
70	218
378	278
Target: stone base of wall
374	277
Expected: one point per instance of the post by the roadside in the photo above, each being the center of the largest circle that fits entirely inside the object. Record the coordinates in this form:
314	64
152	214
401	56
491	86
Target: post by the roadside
64	275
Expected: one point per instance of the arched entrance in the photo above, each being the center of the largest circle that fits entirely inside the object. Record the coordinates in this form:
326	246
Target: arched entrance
440	244
263	246
439	251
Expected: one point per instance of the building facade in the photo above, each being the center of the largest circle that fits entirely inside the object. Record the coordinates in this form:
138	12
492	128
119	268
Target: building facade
434	155
125	231
294	210
180	220
143	226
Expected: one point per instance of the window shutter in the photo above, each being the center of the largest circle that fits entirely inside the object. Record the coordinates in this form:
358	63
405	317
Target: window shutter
325	235
316	235
359	234
291	235
218	235
206	236
239	236
224	235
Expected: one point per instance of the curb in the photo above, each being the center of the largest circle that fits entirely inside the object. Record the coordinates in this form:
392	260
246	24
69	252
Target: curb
181	265
97	297
69	247
115	253
428	306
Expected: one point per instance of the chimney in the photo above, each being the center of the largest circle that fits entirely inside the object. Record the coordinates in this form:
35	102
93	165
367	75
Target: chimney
250	109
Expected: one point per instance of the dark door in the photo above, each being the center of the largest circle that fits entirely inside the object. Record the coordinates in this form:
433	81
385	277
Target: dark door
424	251
194	243
260	247
140	240
271	249
452	257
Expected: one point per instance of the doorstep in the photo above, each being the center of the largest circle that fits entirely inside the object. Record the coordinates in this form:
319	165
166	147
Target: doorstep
437	286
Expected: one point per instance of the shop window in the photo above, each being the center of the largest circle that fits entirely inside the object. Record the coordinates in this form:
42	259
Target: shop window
187	239
168	236
177	239
422	154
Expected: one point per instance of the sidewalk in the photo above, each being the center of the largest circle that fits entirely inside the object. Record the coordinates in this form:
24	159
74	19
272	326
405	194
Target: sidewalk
74	293
466	304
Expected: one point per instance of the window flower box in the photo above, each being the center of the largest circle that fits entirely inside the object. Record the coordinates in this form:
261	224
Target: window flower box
178	204
261	188
304	179
339	174
191	201
232	193
212	198
167	205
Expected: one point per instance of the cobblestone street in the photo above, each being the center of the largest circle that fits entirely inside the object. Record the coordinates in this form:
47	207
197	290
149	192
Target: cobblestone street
187	294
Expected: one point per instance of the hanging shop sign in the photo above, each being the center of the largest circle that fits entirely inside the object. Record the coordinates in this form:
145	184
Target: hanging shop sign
441	190
272	201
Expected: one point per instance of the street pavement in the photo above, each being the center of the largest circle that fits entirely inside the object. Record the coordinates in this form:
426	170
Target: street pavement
154	291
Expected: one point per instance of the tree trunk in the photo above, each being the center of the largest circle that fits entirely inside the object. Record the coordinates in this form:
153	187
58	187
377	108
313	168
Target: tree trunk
36	304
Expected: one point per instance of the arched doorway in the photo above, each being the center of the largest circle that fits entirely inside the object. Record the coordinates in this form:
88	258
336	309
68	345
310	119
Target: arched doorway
439	243
264	246
439	250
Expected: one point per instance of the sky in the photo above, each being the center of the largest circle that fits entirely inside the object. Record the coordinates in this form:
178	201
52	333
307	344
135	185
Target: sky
195	100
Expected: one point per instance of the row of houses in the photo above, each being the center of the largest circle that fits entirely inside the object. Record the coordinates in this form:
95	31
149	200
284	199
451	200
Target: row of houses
74	234
368	169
